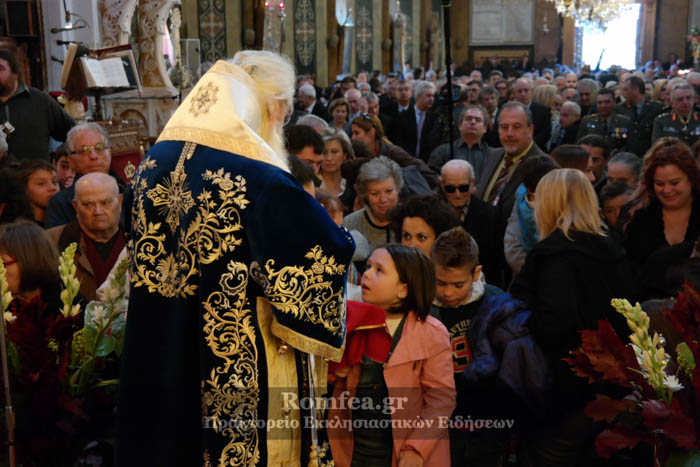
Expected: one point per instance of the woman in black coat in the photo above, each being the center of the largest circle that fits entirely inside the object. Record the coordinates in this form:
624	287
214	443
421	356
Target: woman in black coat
567	281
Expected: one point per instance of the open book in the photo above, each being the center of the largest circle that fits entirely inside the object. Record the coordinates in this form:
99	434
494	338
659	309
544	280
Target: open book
110	69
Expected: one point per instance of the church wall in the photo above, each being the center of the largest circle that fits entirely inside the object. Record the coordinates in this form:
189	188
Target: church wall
547	40
671	28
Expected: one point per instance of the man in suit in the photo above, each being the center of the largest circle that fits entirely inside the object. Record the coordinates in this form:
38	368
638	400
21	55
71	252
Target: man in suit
501	175
477	217
418	129
306	102
569	122
541	114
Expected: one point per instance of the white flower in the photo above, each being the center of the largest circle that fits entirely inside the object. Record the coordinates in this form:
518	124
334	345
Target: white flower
99	312
672	383
9	317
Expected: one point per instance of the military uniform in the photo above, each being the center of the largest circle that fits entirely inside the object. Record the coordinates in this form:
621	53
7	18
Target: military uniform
671	124
639	141
616	130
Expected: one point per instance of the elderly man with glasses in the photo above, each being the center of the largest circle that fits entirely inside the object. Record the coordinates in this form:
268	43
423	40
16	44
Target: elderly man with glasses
88	152
477	217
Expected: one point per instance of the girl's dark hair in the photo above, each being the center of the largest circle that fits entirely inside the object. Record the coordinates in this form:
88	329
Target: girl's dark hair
29	166
571	156
35	252
439	215
415	270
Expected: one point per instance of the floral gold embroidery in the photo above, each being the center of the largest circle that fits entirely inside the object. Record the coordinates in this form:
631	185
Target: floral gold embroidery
205	239
204	99
233	385
306	293
207	459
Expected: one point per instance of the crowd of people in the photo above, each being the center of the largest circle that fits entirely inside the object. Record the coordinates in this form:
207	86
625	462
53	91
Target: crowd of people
561	191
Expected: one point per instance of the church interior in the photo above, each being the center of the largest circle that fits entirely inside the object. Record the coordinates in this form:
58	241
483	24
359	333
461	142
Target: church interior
173	41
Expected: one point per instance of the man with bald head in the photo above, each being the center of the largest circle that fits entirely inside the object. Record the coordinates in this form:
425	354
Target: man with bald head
96	230
478	218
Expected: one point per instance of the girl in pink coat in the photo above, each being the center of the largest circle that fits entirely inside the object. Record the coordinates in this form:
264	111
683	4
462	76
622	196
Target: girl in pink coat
396	413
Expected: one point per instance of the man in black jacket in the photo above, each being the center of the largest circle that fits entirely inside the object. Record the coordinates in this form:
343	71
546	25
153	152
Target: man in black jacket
477	217
34	115
418	128
306	102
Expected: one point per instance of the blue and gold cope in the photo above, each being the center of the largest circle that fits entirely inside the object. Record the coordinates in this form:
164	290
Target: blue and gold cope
235	269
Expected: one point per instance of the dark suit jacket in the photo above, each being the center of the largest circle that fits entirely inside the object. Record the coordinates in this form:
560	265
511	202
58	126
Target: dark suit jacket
542	119
320	111
406	132
507	199
481	224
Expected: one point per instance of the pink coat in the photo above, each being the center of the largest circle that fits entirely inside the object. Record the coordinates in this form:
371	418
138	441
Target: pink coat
420	374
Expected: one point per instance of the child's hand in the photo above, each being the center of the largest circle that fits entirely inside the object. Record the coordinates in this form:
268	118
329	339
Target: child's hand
410	458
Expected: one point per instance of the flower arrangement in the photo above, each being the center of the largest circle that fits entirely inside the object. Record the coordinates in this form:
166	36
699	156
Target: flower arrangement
694	39
64	365
662	407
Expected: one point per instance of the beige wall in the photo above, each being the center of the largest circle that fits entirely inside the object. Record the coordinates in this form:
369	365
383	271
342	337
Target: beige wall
672	28
547	44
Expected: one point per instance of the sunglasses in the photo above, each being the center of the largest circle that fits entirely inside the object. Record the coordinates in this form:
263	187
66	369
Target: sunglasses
462	188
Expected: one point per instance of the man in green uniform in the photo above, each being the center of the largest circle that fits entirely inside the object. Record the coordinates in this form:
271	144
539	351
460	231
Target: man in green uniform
615	128
642	111
682	121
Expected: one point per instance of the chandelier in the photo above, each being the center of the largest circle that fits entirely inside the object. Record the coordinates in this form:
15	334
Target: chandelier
591	11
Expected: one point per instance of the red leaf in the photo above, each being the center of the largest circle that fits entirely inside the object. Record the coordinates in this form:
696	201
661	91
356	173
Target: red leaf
612	440
608	355
685	316
606	408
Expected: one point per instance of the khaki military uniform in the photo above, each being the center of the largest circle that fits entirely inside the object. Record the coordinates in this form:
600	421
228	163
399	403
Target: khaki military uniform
640	139
671	124
616	130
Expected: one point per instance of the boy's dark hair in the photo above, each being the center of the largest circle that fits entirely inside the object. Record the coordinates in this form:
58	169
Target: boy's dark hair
571	156
534	168
35	252
613	190
455	248
416	271
439	215
302	171
301	136
14	196
596	141
11	60
59	153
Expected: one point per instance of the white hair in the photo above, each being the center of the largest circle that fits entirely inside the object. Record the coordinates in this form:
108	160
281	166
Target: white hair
275	80
421	86
575	108
314	121
307	90
458	164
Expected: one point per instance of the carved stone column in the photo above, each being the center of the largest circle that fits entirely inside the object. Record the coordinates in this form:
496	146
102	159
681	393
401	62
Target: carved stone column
153	16
115	16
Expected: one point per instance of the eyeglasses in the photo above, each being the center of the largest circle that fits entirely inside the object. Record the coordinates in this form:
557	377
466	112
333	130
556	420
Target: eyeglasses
469	118
462	188
84	150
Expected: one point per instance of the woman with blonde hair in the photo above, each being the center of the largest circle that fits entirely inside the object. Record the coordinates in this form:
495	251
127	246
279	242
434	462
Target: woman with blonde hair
568	280
662	92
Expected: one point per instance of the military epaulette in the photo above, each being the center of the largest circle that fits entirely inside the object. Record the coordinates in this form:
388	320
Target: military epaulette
625	117
665	114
